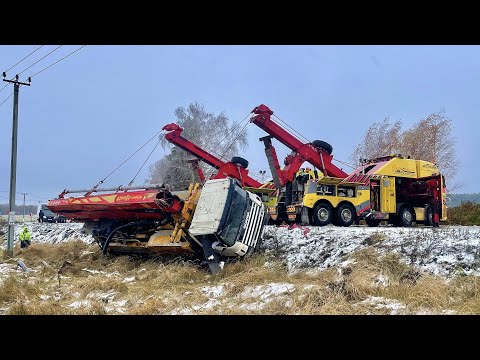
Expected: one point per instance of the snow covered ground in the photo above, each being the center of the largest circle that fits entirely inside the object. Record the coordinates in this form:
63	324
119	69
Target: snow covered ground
440	251
51	232
446	251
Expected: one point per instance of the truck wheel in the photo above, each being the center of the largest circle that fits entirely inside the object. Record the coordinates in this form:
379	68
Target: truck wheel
322	214
323	145
429	217
405	216
240	161
372	222
345	215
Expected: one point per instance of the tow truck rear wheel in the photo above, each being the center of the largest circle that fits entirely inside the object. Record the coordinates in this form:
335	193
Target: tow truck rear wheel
240	161
322	214
429	217
345	215
323	145
405	216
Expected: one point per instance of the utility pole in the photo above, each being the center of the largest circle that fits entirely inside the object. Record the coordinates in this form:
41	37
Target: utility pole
13	163
24	206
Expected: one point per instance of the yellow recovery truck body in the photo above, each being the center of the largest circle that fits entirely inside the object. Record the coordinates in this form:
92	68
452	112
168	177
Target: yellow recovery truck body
393	188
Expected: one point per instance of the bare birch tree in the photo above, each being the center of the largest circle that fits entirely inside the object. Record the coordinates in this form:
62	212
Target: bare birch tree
211	132
430	139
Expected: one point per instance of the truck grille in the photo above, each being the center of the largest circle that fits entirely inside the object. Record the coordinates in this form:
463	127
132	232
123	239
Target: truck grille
254	225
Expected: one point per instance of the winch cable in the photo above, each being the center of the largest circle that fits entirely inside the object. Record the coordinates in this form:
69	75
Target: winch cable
106	177
233	141
238	135
345	163
292	129
308	141
210	172
141	167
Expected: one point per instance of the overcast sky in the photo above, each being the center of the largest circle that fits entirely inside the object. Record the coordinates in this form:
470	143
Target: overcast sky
85	115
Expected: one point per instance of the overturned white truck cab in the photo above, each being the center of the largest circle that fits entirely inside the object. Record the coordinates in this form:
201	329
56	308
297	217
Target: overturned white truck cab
228	220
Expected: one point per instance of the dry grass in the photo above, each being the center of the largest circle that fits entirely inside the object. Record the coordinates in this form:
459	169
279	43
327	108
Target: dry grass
93	284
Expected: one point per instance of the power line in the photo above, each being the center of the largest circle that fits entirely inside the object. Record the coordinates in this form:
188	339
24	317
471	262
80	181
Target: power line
4	87
26	57
73	52
36	62
9	96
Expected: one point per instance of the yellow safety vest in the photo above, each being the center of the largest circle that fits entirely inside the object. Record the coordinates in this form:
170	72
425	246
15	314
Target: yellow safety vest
24	235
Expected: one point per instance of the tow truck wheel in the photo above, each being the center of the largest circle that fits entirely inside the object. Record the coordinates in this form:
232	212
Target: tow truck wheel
240	161
324	145
345	215
429	217
405	216
322	214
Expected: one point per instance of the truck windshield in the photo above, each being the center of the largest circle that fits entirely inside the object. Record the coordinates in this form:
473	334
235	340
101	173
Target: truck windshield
235	217
48	212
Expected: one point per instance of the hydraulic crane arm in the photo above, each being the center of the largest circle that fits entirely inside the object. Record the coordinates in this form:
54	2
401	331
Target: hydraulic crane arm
174	136
301	152
225	169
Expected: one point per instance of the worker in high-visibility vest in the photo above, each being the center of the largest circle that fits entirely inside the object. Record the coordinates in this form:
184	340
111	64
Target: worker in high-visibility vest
25	237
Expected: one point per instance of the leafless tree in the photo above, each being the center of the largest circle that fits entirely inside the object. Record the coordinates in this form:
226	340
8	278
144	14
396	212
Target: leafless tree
211	132
380	139
429	139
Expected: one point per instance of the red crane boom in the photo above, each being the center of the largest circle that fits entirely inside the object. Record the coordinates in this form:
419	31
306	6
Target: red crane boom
302	152
224	168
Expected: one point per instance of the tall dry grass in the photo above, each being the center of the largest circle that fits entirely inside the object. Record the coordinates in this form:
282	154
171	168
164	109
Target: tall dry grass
74	278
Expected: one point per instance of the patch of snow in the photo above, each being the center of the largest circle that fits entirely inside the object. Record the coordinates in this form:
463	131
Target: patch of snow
345	263
213	291
449	312
120	303
380	302
117	306
381	280
44	297
255	306
211	303
85	252
115	273
188	293
81	303
264	292
106	297
7	268
93	271
128	279
183	311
